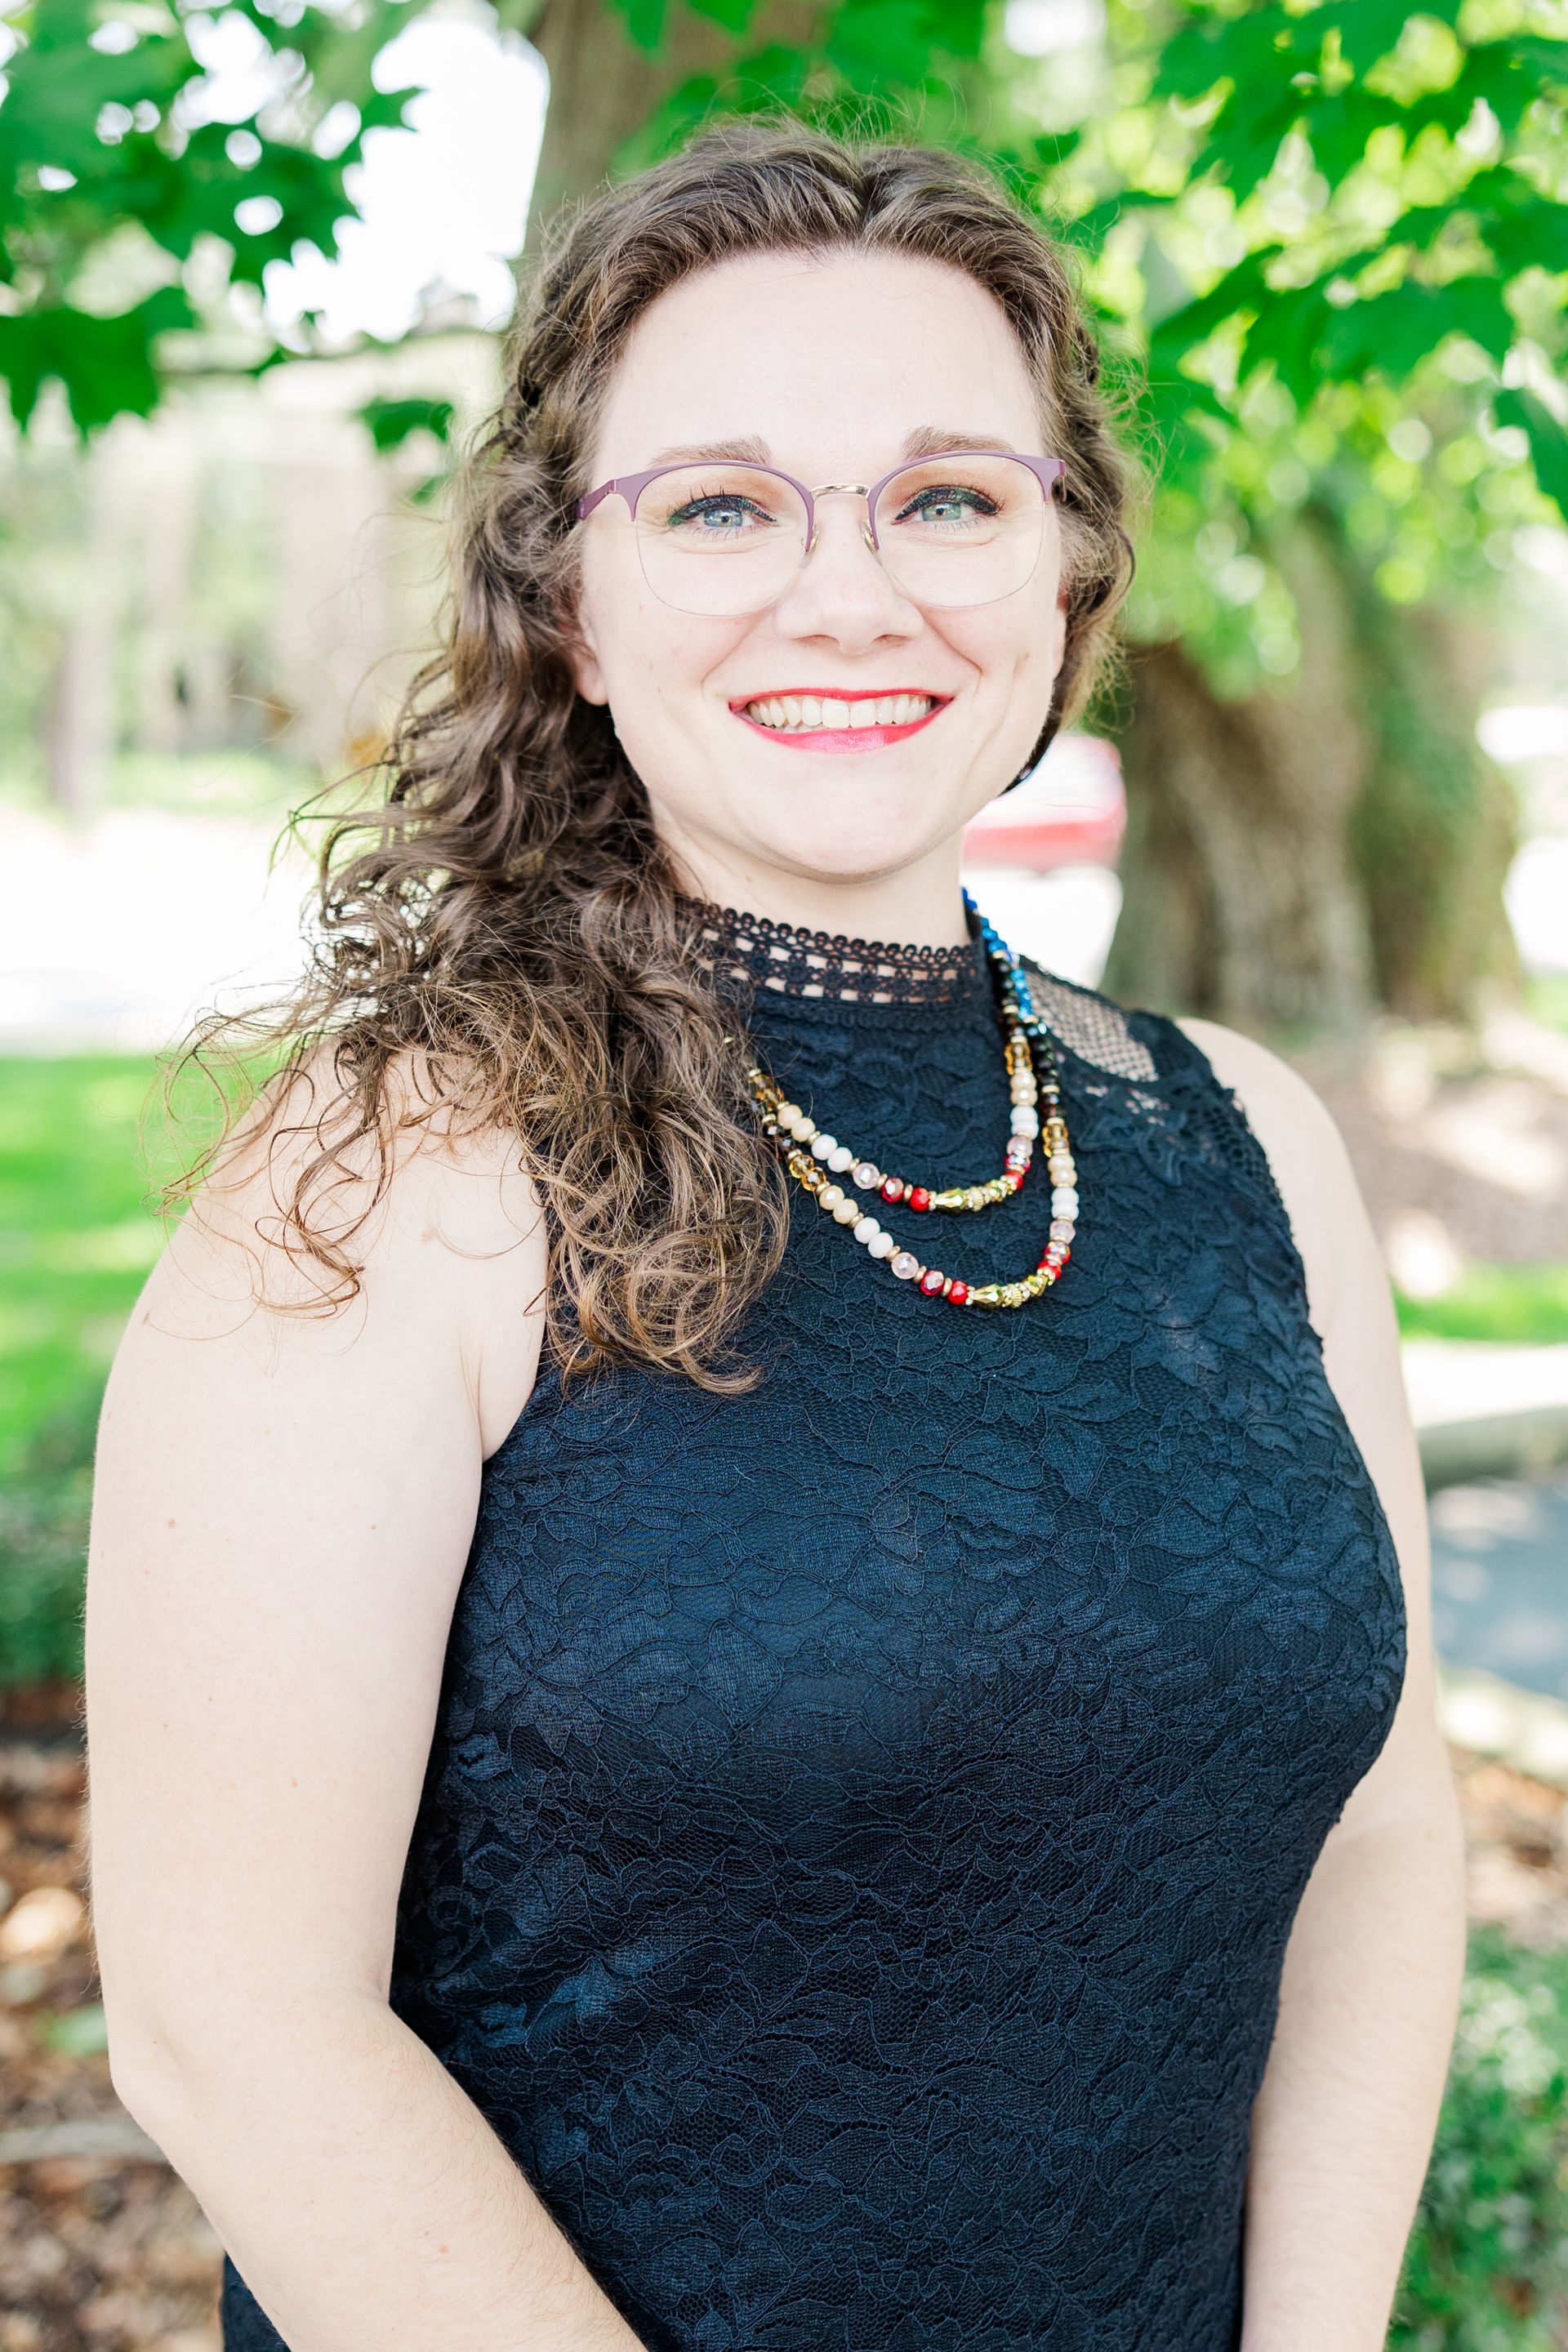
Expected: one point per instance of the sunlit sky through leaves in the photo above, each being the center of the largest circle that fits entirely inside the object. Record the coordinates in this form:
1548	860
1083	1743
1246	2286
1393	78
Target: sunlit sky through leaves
444	203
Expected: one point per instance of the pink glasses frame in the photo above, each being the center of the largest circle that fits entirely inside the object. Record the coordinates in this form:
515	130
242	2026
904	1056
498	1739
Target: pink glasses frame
1048	471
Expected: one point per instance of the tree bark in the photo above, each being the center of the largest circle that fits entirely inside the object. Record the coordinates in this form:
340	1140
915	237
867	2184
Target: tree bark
1240	901
1321	847
604	88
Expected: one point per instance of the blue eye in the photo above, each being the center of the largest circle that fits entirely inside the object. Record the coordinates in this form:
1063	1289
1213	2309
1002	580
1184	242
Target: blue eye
962	505
725	512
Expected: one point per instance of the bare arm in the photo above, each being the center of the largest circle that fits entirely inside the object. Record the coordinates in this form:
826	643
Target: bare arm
284	1508
1343	2124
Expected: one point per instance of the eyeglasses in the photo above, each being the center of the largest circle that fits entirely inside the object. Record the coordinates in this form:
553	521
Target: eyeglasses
961	529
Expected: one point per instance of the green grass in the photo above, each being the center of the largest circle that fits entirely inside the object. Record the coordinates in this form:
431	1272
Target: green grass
1546	994
84	1145
1525	1305
76	1243
77	1239
1487	2266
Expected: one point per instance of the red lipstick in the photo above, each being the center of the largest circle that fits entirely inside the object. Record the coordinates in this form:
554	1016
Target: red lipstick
840	739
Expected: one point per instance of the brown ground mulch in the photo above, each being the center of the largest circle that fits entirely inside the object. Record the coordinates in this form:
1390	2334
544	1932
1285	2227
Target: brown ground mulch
106	2251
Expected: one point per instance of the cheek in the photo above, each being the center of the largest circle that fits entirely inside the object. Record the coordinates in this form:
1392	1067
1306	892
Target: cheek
1004	642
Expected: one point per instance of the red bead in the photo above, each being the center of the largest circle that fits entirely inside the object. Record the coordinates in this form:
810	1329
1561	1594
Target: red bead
957	1291
932	1282
918	1197
893	1188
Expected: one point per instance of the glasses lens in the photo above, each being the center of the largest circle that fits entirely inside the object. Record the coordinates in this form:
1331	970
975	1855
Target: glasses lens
960	530
720	538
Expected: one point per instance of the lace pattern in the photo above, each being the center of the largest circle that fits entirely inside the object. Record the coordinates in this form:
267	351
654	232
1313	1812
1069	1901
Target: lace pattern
750	952
755	951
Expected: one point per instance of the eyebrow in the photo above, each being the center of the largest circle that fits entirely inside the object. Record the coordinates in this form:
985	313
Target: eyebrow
925	441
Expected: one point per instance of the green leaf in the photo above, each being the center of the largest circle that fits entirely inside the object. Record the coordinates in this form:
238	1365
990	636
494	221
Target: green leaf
1394	332
1244	144
878	44
1548	441
644	23
1370	30
1244	288
736	15
390	422
1259	48
1340	126
106	365
1521	228
1289	332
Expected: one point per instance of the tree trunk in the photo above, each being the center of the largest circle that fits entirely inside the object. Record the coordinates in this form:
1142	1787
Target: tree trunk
604	88
1240	902
1321	847
81	727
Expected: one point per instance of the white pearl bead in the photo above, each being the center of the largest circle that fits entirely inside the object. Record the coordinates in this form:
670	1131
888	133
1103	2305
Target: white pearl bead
787	1113
824	1144
867	1230
805	1127
1064	1202
881	1245
1062	1166
848	1212
830	1196
1025	1120
840	1158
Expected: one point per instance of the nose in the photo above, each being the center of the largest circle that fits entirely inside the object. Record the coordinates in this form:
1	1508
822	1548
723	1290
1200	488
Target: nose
842	589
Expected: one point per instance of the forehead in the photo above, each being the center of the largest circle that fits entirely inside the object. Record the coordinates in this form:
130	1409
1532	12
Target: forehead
829	359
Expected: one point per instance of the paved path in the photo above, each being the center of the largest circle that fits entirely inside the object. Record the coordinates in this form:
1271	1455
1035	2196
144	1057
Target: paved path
113	936
1500	1580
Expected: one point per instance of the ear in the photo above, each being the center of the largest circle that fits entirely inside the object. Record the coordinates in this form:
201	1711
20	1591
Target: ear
1059	632
582	655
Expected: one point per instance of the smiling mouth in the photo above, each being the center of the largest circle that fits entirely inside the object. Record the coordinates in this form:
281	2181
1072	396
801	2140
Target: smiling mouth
799	714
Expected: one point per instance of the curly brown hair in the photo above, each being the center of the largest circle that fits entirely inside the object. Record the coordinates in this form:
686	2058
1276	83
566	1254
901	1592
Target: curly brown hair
501	916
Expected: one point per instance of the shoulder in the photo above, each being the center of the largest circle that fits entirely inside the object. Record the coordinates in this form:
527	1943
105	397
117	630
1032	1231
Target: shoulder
1308	1158
321	1226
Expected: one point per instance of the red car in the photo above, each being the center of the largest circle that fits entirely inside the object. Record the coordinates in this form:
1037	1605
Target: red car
1071	810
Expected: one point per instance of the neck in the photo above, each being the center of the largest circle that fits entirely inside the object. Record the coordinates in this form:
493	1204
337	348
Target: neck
918	906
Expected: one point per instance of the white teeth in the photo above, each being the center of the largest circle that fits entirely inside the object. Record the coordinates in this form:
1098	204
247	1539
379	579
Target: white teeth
799	712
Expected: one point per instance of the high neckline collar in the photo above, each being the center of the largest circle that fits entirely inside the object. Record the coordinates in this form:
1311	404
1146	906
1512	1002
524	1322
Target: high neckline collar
787	959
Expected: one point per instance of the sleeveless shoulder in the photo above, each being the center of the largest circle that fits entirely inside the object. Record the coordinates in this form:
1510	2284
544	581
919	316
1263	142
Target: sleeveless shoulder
1174	1105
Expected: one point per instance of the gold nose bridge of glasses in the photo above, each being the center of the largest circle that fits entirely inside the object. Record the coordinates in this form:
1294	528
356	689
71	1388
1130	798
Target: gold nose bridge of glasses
861	489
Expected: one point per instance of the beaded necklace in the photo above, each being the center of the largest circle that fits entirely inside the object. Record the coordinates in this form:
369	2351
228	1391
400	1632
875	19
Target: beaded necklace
815	1158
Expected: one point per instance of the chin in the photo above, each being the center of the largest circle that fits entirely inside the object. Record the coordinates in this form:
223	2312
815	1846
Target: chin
846	824
847	847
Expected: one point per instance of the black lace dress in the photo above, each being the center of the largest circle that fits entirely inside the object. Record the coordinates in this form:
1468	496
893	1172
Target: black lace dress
866	1816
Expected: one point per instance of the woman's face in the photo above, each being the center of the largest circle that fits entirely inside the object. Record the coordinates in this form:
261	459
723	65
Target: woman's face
831	365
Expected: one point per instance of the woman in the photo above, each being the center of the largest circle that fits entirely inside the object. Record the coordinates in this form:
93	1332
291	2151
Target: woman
693	1746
